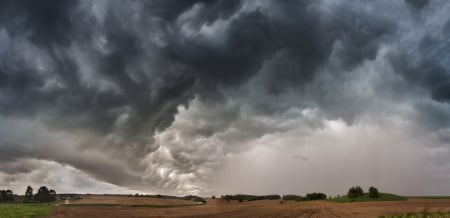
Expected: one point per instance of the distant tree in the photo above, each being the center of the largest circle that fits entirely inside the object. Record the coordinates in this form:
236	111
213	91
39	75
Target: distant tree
6	196
373	192
293	198
45	195
316	196
28	195
355	192
52	196
213	197
227	197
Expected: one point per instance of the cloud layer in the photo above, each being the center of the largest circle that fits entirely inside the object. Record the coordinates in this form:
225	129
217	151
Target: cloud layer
215	96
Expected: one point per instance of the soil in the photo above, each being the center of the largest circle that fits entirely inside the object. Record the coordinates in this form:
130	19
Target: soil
264	208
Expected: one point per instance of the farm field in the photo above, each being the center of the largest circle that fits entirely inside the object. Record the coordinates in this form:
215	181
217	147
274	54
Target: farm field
263	208
24	210
92	200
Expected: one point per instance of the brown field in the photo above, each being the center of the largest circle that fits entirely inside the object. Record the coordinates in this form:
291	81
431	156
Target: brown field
266	208
125	200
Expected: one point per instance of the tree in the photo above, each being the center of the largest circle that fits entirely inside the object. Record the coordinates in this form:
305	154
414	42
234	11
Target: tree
28	195
6	196
316	196
355	192
373	192
45	195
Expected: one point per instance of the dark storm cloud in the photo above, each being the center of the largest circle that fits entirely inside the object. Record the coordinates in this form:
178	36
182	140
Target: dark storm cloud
308	38
251	38
246	44
46	21
114	73
417	3
214	9
429	67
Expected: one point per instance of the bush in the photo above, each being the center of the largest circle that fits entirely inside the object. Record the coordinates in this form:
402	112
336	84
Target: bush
373	192
355	192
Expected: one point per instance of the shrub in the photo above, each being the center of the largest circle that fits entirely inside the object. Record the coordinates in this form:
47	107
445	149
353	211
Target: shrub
373	192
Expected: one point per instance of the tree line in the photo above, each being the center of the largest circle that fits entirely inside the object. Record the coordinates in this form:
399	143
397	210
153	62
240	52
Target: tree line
241	197
43	195
309	197
357	192
353	192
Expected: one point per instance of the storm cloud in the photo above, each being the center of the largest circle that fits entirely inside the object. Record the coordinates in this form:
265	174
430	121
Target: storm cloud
193	96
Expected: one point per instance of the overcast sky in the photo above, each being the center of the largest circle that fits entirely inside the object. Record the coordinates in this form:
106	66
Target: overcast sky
225	96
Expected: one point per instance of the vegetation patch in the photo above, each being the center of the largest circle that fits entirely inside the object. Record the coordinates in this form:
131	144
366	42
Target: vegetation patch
187	197
419	215
242	197
366	197
430	197
24	210
309	197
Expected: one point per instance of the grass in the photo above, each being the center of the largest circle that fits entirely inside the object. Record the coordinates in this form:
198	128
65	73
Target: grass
419	215
365	197
24	210
430	197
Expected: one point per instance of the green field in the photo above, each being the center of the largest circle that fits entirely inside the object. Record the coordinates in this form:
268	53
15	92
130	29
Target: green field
430	197
365	197
419	215
24	210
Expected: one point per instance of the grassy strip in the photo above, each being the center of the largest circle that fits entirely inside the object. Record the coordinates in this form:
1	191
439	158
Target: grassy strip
24	210
419	215
129	205
430	197
365	198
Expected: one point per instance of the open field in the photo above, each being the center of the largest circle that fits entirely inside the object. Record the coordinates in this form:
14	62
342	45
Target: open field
420	215
95	200
24	210
263	208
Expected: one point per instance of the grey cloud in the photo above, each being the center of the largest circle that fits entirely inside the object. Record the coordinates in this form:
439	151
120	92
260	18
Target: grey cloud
417	3
113	77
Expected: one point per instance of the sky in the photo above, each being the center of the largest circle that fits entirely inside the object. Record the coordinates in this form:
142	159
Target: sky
225	96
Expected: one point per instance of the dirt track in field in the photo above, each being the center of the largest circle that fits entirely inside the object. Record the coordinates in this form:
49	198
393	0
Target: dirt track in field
219	208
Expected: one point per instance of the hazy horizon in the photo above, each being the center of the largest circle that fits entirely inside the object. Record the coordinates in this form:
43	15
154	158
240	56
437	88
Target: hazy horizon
212	97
